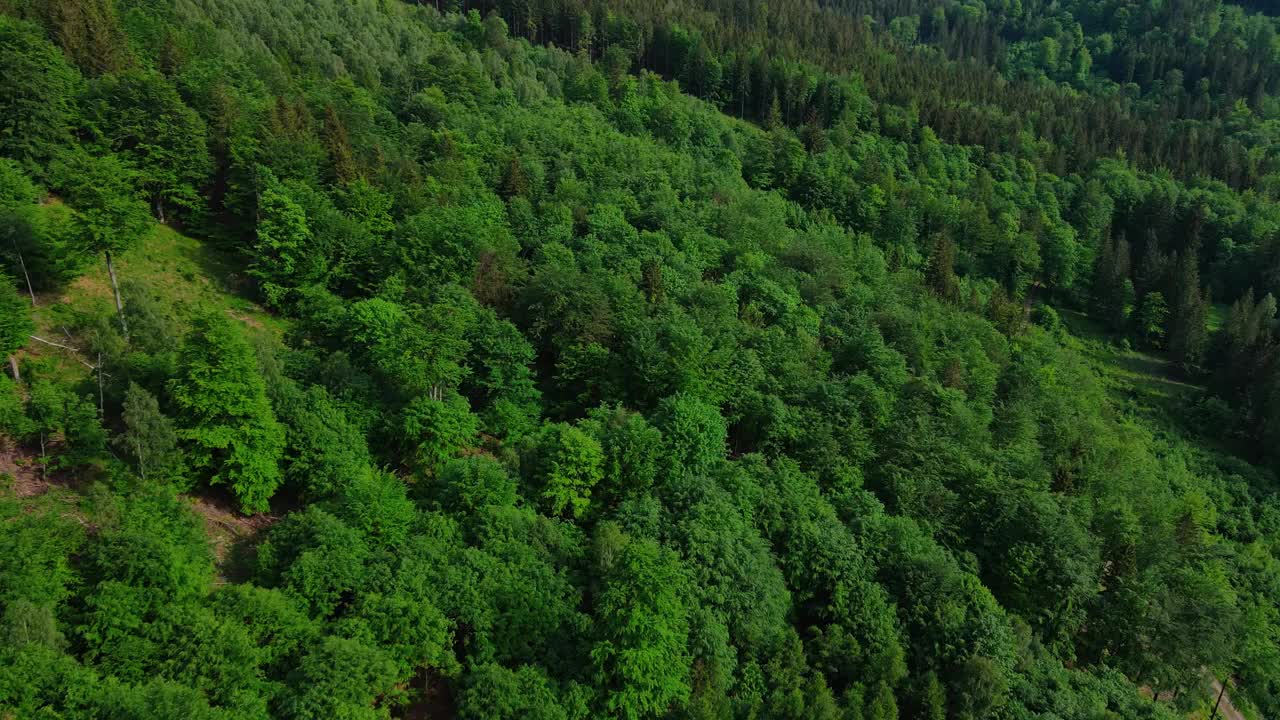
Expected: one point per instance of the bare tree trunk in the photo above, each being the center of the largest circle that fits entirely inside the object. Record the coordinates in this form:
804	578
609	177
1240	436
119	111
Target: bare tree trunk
101	396
142	464
115	288
1222	689
23	264
13	367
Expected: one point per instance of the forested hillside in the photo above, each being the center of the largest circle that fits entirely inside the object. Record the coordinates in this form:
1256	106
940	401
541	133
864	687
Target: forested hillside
568	359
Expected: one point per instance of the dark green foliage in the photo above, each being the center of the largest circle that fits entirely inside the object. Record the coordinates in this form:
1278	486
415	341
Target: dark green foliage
140	115
149	437
324	451
15	317
38	91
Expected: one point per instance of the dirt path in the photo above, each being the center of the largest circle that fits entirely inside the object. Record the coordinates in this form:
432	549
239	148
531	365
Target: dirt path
1226	710
228	531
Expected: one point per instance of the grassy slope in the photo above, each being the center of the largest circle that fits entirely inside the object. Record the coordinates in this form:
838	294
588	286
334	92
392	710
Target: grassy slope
1153	391
185	275
182	273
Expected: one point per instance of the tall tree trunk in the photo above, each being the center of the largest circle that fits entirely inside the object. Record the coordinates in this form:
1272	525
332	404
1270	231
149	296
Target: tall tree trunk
115	289
1222	690
23	264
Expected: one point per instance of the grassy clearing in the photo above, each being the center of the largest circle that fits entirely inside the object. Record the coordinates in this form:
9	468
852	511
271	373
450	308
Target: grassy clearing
1133	378
184	275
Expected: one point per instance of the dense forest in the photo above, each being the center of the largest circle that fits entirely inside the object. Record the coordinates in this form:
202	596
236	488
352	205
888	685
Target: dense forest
568	359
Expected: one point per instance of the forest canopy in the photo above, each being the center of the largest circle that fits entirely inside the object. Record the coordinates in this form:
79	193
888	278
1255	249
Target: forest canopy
571	359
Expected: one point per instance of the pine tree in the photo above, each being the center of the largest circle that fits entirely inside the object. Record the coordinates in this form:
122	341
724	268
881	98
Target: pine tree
1111	274
1187	334
941	274
339	147
1153	318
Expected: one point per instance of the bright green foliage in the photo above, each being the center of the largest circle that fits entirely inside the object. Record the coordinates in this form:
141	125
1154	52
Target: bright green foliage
317	557
36	567
641	657
469	484
690	359
340	678
58	410
16	189
494	692
571	463
377	506
437	429
501	381
286	255
102	190
694	433
225	419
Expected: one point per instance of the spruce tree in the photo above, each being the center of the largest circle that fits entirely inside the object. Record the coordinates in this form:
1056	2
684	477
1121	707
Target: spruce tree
1187	334
941	274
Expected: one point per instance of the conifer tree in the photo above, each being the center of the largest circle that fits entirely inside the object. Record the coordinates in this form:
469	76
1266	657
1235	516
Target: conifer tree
1187	334
941	274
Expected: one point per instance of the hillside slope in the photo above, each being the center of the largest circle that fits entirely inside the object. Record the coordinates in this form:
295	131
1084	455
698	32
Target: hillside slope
528	383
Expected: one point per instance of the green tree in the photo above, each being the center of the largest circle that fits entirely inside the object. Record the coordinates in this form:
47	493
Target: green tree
694	431
89	32
324	449
494	692
37	96
139	115
1188	335
641	658
226	422
436	429
571	463
941	274
284	255
340	678
109	216
1153	318
149	436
